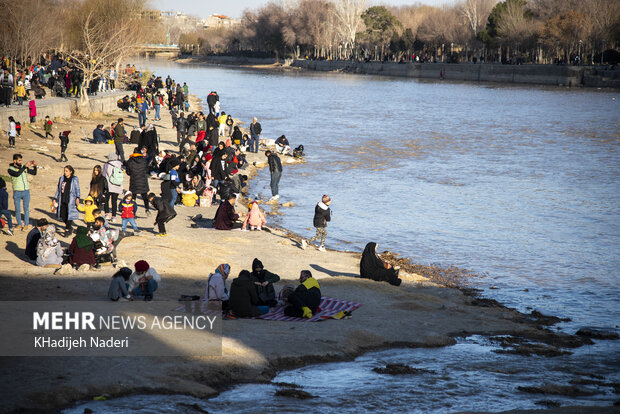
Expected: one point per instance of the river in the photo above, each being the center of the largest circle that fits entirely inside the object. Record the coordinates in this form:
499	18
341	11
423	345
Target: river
518	184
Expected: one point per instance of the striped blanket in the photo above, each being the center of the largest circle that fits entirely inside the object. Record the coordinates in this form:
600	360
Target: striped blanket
328	308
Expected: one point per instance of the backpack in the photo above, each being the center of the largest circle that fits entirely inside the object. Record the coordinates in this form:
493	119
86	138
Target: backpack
116	177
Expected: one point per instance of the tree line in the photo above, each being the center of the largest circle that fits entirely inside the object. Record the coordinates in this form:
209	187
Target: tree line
89	35
542	31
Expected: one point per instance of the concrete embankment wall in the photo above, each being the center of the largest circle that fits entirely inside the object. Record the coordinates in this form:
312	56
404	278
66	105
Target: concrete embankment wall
524	74
59	107
237	60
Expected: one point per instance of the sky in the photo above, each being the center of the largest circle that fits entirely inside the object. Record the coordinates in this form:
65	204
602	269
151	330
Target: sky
234	8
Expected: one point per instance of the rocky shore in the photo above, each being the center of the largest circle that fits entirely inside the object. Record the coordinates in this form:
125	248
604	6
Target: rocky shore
422	312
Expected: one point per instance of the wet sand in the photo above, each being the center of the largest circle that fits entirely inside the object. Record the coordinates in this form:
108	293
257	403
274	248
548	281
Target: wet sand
419	313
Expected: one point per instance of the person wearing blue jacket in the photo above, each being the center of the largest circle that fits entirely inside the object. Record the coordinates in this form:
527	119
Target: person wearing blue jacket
4	206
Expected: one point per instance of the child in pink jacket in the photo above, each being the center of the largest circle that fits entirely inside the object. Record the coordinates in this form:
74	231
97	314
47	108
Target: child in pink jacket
256	218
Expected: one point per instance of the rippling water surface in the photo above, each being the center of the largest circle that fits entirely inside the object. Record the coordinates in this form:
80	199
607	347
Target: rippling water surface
519	184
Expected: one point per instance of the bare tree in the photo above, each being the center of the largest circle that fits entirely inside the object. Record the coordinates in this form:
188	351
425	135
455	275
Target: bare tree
102	33
476	13
348	19
28	28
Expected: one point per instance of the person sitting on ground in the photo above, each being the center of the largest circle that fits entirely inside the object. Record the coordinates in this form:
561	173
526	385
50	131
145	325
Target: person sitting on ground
189	197
282	145
255	218
4	206
99	135
243	297
32	240
237	136
118	285
263	281
372	267
165	213
216	286
49	251
105	240
225	216
306	298
82	249
144	281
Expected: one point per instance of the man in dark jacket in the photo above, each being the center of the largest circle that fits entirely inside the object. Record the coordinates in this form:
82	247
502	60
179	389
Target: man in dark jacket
275	168
255	131
165	213
138	171
32	240
99	135
181	124
225	215
322	214
119	138
212	98
305	300
243	298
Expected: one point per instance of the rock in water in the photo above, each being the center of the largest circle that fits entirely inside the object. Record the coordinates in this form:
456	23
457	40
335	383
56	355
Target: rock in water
598	333
294	393
399	369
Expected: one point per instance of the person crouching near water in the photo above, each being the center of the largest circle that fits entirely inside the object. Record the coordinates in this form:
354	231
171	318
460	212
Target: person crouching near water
306	298
118	285
372	267
144	281
322	214
225	215
216	291
255	218
243	297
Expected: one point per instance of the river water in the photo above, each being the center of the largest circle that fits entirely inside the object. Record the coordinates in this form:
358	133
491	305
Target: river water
520	184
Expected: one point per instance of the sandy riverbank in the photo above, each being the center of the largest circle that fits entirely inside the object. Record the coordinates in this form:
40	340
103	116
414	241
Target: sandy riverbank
418	313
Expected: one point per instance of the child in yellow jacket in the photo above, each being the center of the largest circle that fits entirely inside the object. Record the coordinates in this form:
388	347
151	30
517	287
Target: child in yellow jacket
88	207
20	91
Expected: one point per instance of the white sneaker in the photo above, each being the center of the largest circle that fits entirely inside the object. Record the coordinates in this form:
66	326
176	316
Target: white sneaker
304	244
322	249
10	232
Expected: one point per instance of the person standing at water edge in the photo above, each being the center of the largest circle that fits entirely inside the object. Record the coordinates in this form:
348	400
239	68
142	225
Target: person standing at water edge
255	131
322	214
21	188
275	168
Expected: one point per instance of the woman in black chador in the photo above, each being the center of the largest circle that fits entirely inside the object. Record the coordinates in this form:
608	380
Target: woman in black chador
372	267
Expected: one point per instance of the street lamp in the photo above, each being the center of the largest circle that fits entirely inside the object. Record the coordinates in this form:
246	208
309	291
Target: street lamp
603	52
580	51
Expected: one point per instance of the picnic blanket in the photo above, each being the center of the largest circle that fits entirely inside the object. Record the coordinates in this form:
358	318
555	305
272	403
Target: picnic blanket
328	308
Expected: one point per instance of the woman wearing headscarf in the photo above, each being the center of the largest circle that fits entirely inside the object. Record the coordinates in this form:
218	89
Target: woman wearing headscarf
372	267
49	252
98	186
67	198
263	282
216	286
82	249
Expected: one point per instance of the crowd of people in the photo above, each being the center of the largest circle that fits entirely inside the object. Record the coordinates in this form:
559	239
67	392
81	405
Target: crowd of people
206	169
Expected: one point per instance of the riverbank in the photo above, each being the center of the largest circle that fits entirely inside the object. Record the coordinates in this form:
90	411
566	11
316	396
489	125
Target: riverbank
549	75
419	313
